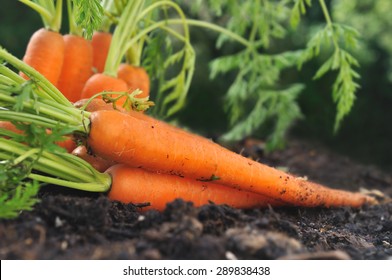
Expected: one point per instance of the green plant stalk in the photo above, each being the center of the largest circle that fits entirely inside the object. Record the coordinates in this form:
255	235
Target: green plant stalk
125	27
214	27
73	171
51	15
73	27
67	115
11	74
329	22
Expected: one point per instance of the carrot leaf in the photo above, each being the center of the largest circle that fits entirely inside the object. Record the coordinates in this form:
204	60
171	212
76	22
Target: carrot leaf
88	15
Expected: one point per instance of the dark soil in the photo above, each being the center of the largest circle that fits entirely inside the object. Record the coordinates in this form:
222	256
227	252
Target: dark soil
68	224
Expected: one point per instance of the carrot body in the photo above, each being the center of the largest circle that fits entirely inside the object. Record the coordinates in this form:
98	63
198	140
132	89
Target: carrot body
134	185
135	77
77	66
125	139
98	163
45	53
101	44
101	82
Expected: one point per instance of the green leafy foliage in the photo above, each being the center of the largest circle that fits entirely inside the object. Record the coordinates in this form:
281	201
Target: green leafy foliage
16	194
256	98
169	58
88	15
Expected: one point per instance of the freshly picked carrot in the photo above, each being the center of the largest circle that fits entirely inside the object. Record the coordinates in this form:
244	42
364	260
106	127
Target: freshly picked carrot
136	185
45	50
122	138
78	59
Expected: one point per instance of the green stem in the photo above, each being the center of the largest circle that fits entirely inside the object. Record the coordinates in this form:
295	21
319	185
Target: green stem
72	171
211	26
44	13
28	154
50	14
73	28
90	187
329	22
124	29
65	115
38	120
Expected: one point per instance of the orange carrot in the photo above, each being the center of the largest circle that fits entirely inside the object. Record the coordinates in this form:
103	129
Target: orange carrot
68	143
98	163
134	185
136	78
77	66
45	53
101	82
100	43
122	138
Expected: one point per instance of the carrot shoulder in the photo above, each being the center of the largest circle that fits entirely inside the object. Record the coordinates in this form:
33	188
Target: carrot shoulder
45	53
134	185
125	139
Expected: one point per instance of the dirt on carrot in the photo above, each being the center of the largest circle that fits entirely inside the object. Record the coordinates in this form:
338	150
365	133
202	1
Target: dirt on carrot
69	224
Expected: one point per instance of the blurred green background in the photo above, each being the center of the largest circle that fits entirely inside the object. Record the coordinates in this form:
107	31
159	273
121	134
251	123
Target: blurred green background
365	135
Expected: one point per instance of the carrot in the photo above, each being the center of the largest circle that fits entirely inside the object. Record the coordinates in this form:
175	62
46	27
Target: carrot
98	163
101	82
45	53
77	66
134	185
100	43
135	77
122	138
68	143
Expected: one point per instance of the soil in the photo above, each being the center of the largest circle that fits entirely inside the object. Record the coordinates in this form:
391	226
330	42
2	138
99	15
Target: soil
70	224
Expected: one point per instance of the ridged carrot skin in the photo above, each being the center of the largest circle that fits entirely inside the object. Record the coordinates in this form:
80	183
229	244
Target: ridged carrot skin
101	44
137	143
101	82
77	66
134	185
45	53
135	77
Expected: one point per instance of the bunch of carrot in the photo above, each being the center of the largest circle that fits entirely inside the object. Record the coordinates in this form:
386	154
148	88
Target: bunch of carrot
134	157
76	65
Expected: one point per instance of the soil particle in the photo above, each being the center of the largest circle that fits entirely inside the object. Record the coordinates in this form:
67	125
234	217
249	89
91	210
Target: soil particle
69	224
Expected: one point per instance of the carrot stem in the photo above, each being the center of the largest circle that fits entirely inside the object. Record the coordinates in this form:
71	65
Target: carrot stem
123	30
71	170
